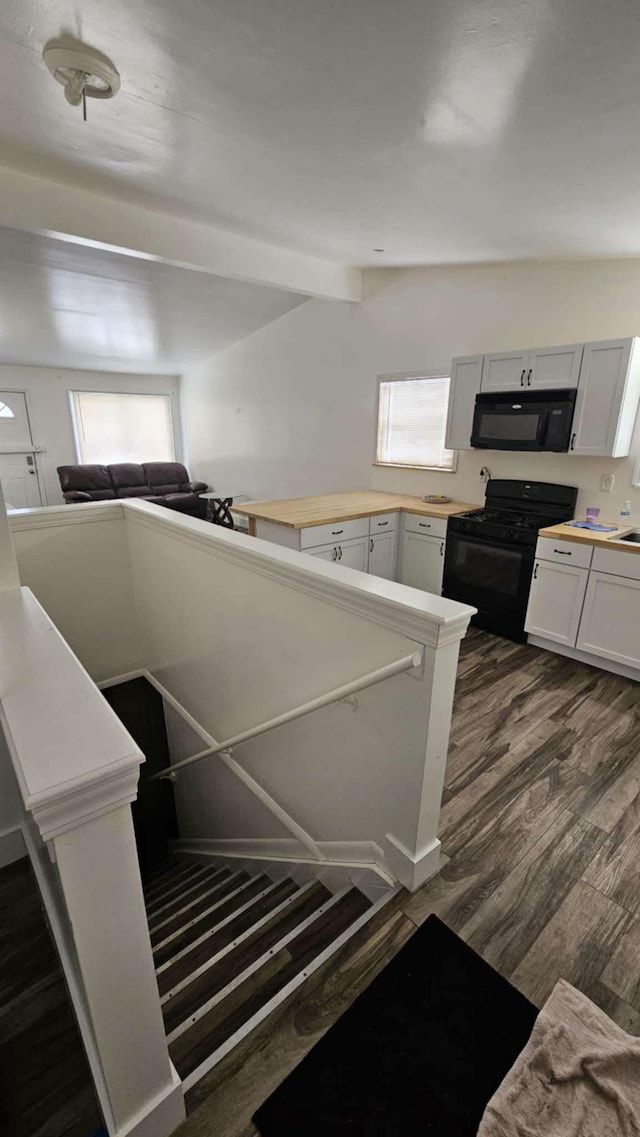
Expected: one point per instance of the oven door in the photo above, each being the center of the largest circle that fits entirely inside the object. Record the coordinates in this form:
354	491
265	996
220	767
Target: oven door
487	574
509	425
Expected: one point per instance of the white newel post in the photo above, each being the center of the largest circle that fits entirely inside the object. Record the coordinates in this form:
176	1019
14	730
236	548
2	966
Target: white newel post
414	862
77	768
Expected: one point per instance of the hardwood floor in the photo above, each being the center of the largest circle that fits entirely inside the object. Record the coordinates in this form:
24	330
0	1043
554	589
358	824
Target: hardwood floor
541	822
45	1084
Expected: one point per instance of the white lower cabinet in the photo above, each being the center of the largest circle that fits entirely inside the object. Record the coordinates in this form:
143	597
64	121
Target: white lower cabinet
383	554
610	624
422	561
555	601
351	554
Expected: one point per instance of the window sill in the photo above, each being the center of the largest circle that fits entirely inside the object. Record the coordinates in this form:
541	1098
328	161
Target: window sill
400	466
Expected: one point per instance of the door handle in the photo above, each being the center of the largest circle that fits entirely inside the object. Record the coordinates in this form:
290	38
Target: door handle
535	572
522	377
340	552
381	523
335	555
336	532
573	442
529	377
562	552
424	525
442	549
371	545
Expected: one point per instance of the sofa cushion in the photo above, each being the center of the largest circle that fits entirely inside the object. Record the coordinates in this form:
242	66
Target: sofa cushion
165	477
128	479
93	480
181	500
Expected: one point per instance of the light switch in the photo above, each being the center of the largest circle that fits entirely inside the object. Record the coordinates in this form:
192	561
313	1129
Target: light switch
606	483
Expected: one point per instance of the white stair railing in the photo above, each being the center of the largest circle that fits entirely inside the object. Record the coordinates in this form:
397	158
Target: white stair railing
336	695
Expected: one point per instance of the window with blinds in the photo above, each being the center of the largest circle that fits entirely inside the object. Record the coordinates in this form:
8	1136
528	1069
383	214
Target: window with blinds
116	427
412	420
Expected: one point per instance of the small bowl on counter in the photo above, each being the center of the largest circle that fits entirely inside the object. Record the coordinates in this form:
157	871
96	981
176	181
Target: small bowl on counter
436	498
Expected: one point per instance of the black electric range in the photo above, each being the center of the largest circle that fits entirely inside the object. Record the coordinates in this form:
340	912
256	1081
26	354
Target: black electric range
490	552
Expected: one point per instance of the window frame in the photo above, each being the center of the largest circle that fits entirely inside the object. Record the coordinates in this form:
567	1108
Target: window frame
169	395
403	376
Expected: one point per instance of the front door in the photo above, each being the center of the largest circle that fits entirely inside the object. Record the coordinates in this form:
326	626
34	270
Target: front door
18	471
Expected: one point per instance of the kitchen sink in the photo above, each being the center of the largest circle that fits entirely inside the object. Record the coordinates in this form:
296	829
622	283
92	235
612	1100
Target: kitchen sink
633	537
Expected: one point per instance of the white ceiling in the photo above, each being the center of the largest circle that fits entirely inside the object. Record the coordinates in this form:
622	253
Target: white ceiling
69	305
441	130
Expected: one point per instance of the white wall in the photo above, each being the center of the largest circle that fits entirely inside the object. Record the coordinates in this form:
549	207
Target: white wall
291	410
75	559
48	401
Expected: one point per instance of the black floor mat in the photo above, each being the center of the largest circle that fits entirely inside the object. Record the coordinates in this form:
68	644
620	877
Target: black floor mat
420	1051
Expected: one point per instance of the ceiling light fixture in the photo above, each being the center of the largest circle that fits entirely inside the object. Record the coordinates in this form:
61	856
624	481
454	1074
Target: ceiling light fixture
83	72
378	250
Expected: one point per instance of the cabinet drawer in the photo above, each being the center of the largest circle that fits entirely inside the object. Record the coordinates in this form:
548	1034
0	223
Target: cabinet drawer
383	523
428	526
617	563
564	552
337	531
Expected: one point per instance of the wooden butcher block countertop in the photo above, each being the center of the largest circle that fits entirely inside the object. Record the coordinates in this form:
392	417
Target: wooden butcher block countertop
592	537
301	512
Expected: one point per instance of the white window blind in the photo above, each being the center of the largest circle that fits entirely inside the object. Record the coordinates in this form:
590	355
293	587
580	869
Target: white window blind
113	427
412	419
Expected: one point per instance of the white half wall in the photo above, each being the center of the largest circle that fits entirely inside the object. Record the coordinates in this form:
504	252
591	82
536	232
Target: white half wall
291	410
47	391
75	559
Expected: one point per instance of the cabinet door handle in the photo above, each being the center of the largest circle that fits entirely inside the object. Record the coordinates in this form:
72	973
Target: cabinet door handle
563	552
573	442
340	552
371	545
381	523
522	377
442	549
335	555
535	572
424	525
336	532
529	377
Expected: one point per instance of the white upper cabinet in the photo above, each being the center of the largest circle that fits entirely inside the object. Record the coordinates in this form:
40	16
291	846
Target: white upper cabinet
607	399
466	376
551	367
505	371
540	368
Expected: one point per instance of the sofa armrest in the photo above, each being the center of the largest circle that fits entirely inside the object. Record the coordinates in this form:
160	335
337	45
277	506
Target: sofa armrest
76	496
194	487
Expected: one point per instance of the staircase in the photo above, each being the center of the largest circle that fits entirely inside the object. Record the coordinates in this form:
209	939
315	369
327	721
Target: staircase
231	944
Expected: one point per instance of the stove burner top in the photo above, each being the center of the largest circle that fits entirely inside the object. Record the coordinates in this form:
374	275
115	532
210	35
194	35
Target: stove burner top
504	517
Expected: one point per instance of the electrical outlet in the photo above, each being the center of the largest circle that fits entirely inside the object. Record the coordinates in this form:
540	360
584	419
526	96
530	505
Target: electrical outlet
606	483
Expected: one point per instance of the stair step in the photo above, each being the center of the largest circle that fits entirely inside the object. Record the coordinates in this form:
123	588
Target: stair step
233	894
192	903
233	959
178	971
173	888
156	885
176	887
198	1049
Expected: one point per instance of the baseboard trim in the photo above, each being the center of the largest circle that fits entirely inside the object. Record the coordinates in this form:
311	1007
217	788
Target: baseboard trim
162	1115
599	661
12	846
409	868
356	865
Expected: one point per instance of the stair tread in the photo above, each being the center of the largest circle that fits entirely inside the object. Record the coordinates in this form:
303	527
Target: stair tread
177	888
194	959
172	870
202	1039
226	901
187	1001
190	907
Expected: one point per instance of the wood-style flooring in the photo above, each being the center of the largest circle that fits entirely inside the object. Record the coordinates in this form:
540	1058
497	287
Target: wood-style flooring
541	822
45	1084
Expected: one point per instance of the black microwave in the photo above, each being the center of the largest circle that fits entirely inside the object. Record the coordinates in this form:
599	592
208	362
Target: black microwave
523	420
